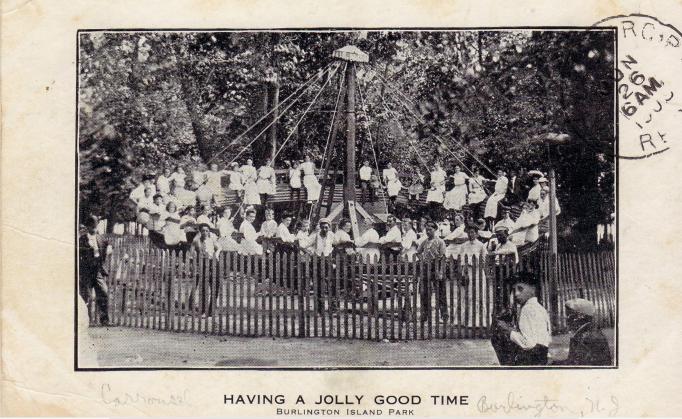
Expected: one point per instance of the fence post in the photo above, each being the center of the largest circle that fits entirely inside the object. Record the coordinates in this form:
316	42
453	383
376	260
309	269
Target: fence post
299	286
553	292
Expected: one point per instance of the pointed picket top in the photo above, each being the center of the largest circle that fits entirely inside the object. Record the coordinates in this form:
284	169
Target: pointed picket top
351	53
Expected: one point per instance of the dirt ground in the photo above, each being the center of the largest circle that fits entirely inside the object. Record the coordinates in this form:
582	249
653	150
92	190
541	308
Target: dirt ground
128	347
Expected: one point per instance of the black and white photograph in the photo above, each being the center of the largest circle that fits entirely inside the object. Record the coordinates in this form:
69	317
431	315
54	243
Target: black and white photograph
347	198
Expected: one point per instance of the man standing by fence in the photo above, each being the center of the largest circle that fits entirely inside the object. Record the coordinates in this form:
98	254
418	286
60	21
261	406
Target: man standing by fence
206	247
432	251
93	249
321	243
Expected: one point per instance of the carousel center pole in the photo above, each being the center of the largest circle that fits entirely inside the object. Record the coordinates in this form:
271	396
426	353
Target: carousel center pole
349	184
352	54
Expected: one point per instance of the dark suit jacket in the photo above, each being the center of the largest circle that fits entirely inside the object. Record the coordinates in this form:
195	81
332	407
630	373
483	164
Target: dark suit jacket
588	347
86	254
515	188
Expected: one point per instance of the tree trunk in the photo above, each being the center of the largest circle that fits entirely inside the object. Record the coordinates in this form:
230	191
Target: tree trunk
195	116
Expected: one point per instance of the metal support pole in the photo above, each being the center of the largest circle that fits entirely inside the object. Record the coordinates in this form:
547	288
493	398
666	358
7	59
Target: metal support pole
349	186
553	246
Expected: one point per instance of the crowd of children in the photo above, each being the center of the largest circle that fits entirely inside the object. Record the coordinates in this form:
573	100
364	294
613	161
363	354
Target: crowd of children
176	202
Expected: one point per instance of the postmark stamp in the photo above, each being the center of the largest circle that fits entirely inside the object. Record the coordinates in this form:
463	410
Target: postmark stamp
649	89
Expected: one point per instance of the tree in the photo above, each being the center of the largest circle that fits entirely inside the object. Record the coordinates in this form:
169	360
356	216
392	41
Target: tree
465	97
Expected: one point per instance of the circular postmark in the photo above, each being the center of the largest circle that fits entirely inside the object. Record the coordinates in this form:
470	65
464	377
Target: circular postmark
649	86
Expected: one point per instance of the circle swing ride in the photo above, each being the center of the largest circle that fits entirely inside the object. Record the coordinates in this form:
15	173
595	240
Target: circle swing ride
331	203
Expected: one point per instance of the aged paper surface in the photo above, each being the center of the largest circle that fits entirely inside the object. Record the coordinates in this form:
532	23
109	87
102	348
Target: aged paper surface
38	54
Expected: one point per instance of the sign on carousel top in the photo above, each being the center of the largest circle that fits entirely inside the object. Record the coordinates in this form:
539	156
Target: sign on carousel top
351	53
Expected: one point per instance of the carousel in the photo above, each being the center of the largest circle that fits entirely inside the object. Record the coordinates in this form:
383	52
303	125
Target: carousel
335	186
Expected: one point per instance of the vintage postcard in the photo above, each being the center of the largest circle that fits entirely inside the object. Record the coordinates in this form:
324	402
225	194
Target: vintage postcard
343	209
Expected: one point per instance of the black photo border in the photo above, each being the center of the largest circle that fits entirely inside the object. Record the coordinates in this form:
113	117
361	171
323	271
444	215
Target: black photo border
612	29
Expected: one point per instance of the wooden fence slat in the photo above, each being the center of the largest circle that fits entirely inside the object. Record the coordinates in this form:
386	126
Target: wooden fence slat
153	266
142	270
184	295
611	294
170	305
155	303
603	288
457	288
324	297
375	296
222	292
146	309
436	306
485	296
469	291
282	294
292	294
164	282
301	295
192	283
179	302
381	302
259	296
115	268
355	289
274	284
126	271
600	292
310	295
317	293
270	291
341	295
144	282
213	310
591	284
398	275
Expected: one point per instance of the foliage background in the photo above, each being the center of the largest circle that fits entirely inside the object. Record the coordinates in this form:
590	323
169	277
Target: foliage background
149	99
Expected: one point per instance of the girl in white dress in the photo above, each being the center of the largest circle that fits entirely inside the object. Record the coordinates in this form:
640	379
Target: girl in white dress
214	182
499	194
179	177
456	197
312	185
476	191
534	192
266	182
251	195
437	189
393	184
236	180
526	226
367	245
172	233
225	229
248	245
295	180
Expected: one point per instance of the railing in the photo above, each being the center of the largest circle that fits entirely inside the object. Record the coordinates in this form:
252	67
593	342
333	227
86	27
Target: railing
294	295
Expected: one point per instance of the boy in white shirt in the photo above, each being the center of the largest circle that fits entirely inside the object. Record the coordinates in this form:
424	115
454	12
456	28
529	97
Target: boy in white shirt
365	178
526	343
